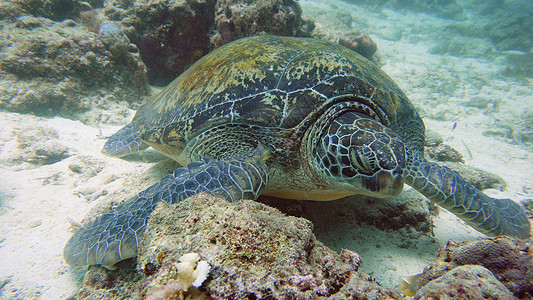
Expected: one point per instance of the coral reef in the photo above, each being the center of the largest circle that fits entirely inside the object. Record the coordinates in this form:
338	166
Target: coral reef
235	19
338	28
69	57
173	35
170	35
114	38
101	283
61	68
254	252
465	282
443	152
57	10
361	44
509	259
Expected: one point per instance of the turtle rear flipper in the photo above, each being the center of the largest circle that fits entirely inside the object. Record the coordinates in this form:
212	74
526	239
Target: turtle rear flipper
124	142
488	215
114	236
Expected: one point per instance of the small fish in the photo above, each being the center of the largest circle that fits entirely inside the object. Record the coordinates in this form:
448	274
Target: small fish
409	285
454	126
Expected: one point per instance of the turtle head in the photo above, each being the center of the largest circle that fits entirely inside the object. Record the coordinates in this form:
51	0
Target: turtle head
362	156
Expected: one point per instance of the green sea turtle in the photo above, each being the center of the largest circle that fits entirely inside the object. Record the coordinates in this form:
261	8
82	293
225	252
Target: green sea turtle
296	118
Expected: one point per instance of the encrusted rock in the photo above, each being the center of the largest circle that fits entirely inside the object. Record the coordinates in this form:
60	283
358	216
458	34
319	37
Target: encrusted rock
443	152
509	259
337	27
465	282
235	19
57	10
171	35
114	38
254	251
362	44
54	68
100	283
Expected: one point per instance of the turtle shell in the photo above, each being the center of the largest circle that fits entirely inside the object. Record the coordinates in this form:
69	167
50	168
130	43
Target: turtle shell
271	82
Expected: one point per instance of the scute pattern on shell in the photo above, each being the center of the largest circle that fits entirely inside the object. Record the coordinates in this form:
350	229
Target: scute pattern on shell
266	81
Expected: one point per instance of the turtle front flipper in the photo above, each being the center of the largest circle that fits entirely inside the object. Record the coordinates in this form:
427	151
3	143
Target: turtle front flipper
447	188
115	236
124	142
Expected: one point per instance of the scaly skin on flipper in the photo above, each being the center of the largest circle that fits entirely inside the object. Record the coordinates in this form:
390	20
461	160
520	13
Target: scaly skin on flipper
124	142
448	189
114	236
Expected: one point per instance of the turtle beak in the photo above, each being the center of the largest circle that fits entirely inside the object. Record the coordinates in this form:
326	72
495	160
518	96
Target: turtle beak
384	184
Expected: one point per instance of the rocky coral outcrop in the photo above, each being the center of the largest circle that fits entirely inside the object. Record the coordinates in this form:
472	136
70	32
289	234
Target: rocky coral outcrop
338	28
236	19
67	57
62	68
509	259
444	152
173	35
254	252
465	282
56	10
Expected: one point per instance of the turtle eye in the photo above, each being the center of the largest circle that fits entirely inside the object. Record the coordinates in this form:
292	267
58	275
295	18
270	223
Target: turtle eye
363	159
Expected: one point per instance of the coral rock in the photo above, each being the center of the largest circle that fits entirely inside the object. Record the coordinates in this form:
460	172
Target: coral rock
465	282
254	250
172	35
361	44
114	38
509	259
54	68
444	152
235	19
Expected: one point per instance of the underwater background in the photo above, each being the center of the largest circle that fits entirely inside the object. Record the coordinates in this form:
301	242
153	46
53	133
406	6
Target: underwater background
73	72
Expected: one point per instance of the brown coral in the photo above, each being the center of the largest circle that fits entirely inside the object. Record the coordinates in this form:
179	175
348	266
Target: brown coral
362	44
254	250
509	259
235	19
53	68
171	35
465	282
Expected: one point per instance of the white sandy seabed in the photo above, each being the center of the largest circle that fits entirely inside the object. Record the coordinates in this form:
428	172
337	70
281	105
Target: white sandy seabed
39	203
